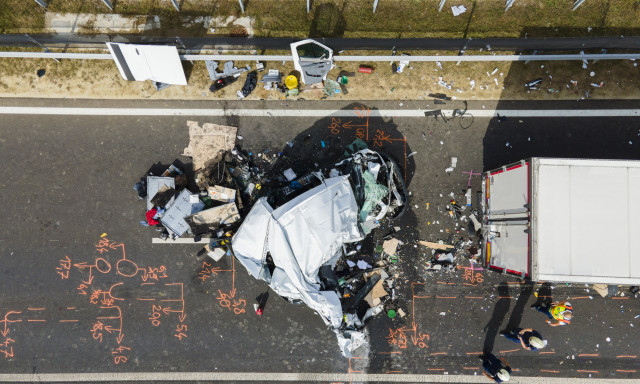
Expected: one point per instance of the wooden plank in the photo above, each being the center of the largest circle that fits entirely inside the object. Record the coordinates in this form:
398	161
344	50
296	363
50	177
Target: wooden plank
429	244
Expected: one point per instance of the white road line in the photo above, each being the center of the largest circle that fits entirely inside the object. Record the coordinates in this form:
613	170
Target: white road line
309	112
293	377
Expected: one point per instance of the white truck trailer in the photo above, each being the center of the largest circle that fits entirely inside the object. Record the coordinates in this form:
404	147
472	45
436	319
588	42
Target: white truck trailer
564	220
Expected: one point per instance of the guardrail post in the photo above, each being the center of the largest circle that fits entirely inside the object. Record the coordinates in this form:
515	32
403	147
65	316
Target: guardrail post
42	3
46	50
108	4
534	52
508	4
308	6
576	4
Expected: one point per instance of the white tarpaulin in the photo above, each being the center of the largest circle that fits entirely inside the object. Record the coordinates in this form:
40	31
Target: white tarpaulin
159	63
301	236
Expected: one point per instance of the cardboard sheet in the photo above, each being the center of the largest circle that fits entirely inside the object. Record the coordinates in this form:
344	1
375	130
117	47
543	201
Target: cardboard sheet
208	142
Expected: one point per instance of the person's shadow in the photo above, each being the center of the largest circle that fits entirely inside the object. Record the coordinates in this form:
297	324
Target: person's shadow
499	312
526	289
544	297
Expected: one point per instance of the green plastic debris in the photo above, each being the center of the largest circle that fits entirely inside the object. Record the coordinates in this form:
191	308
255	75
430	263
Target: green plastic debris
391	313
354	147
331	87
373	194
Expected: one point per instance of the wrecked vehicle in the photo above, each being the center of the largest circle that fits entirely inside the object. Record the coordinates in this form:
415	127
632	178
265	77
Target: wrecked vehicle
294	245
563	220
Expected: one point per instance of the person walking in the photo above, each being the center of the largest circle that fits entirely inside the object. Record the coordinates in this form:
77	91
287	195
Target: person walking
496	369
530	339
560	313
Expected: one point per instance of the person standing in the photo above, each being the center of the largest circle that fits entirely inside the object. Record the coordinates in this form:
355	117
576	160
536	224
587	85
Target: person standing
560	313
530	339
496	369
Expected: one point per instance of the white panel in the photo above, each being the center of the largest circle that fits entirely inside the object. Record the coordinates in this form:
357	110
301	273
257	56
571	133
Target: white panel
600	219
634	222
511	249
508	191
552	219
151	62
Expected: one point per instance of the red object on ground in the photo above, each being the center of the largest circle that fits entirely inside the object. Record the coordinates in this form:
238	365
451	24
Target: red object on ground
259	311
150	213
365	69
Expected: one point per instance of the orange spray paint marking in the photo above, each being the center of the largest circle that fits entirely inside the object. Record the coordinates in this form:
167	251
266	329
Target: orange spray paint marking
510	350
588	354
474	368
626	370
585	371
549	370
225	300
68	321
438	353
7	352
181	330
36	309
380	138
119	354
118	320
435	369
96	331
64	267
6	322
399	338
36	320
626	356
166	310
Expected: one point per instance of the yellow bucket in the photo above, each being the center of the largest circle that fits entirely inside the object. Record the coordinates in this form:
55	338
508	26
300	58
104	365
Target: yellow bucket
291	82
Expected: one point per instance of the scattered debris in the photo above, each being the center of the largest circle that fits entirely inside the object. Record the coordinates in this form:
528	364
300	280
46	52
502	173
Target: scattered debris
432	245
458	10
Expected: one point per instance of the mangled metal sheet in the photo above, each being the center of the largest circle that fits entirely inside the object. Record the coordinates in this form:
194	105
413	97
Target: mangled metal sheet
213	218
154	183
174	218
209	142
301	236
159	63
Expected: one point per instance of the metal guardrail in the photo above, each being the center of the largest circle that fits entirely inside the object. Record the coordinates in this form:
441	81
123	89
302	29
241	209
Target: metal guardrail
480	58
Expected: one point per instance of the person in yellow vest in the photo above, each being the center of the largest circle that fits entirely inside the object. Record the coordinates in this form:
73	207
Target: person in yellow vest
560	313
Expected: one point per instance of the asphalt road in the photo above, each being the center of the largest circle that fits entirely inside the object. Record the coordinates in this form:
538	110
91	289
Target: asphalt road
85	291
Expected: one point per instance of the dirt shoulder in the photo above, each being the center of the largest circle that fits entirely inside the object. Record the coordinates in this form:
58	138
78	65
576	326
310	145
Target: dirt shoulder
100	79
